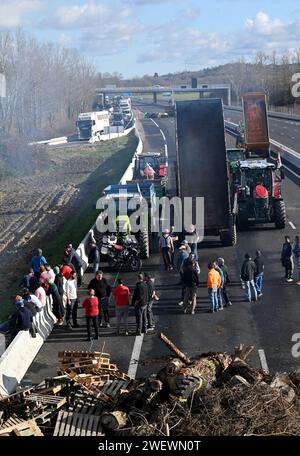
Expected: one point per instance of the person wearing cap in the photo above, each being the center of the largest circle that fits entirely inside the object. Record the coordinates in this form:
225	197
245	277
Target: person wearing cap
37	261
91	311
224	268
191	281
22	319
166	247
102	292
192	237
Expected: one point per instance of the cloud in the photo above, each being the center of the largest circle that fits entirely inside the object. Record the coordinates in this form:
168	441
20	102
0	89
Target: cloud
99	28
188	45
262	24
12	13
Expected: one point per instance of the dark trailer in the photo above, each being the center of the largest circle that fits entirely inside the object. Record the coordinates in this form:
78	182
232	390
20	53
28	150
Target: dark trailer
202	164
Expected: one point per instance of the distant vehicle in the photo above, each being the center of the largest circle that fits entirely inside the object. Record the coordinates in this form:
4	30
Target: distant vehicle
155	115
92	124
118	120
125	102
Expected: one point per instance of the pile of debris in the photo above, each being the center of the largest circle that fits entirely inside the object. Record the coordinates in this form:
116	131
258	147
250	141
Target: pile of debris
213	394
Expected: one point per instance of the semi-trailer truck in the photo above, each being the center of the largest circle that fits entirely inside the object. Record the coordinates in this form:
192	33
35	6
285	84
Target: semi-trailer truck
90	125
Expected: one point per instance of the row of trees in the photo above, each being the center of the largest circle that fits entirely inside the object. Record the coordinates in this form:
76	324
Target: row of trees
47	86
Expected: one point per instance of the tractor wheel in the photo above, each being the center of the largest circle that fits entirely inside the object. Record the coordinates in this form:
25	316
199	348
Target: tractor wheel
280	215
144	244
229	237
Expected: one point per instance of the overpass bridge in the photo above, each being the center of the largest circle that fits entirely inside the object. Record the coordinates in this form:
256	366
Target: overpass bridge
155	90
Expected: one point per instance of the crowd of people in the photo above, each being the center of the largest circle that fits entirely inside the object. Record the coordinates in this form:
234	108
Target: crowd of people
62	282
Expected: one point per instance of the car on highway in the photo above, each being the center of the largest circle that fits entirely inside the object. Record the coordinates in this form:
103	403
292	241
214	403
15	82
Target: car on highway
155	115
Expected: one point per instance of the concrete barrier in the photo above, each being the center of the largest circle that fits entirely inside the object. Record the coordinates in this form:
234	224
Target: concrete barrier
17	358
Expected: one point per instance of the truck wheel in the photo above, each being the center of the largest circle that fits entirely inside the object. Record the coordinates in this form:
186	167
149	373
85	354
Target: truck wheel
98	237
280	215
136	264
144	244
229	237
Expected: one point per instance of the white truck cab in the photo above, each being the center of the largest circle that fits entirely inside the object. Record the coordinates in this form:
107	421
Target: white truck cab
92	124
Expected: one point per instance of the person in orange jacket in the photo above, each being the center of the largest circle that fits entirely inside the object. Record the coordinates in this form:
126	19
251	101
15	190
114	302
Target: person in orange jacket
213	283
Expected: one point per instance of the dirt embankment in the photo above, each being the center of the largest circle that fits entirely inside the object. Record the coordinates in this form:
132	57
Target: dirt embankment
35	205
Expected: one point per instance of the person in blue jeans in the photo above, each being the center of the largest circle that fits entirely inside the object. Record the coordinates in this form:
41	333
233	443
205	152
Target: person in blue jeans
247	275
259	273
296	252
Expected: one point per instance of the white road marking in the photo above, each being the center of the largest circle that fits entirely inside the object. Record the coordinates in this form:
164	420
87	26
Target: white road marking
263	360
166	150
292	225
135	356
162	133
155	123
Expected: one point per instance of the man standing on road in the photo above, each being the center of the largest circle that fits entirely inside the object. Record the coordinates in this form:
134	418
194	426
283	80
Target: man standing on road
91	311
166	247
121	295
213	284
183	255
296	252
247	275
287	258
224	268
72	301
139	300
94	257
219	292
151	296
191	282
259	263
72	257
102	291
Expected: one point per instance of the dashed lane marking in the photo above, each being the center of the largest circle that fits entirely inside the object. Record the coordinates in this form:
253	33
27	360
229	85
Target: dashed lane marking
135	356
263	360
292	225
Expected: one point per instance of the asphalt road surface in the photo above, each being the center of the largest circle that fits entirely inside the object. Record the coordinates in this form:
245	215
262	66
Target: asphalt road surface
268	324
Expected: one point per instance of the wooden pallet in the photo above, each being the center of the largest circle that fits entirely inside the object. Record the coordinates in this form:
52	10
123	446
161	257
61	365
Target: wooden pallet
115	387
15	426
53	401
77	424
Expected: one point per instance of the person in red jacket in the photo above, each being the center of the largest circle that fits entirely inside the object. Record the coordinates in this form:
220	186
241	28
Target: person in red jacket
121	295
90	305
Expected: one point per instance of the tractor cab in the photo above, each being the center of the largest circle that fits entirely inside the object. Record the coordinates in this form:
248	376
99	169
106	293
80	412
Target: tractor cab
147	162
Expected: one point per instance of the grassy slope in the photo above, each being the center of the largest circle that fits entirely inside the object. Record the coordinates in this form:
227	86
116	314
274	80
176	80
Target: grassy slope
114	157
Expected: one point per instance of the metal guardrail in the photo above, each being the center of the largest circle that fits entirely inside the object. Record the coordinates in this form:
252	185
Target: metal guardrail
278	115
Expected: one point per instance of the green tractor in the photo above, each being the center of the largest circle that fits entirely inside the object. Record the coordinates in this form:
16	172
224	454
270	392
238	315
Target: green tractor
245	177
132	196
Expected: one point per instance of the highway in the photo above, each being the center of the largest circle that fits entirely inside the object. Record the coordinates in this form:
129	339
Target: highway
268	324
286	132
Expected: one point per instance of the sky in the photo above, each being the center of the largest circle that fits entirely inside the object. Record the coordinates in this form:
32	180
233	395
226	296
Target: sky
137	37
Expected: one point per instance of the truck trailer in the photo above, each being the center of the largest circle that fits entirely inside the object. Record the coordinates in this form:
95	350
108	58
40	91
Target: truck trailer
92	124
202	164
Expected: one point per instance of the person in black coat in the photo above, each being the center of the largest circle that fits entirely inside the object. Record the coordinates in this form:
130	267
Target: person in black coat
72	257
102	292
247	275
94	257
21	320
140	301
